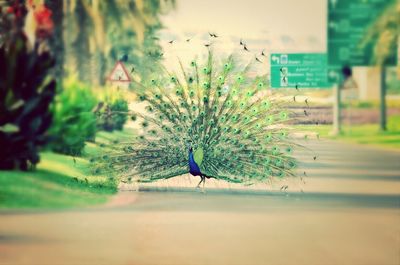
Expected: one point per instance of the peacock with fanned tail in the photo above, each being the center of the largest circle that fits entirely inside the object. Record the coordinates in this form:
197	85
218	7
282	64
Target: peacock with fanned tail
214	120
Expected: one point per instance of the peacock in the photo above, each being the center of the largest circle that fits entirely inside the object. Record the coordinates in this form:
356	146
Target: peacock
213	118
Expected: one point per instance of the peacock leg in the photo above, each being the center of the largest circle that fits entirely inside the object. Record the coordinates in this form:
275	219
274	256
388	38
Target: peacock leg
201	180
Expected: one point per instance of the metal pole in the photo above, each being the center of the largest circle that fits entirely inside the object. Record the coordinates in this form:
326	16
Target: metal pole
337	120
382	122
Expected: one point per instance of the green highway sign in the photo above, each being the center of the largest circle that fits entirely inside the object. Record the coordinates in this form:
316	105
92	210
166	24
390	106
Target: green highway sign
348	22
290	70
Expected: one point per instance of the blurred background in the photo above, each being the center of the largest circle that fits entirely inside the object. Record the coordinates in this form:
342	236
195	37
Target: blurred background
68	78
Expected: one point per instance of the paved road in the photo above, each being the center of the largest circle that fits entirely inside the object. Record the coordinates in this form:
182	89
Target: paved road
349	213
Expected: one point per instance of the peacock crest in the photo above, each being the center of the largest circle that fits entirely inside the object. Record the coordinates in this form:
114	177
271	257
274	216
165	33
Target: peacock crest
216	115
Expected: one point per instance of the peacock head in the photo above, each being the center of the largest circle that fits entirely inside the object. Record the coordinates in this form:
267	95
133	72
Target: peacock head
189	146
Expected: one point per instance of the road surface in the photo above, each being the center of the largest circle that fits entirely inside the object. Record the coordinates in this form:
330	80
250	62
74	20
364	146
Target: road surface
347	213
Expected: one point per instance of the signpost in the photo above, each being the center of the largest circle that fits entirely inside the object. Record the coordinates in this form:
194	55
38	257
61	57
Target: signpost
290	70
348	22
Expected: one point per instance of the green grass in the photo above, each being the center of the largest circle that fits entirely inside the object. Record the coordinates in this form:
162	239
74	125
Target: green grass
59	181
363	134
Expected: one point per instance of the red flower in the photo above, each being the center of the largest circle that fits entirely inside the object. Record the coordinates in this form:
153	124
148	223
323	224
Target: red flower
15	9
44	22
10	10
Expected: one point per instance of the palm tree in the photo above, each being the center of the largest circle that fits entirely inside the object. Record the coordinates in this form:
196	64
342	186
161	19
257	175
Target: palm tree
99	31
384	34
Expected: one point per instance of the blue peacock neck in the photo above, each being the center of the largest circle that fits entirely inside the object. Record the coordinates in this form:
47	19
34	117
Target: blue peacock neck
194	169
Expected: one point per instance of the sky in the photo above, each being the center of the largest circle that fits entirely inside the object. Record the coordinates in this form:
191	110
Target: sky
269	25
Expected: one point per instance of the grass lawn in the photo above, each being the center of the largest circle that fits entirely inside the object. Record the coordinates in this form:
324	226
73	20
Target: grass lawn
363	134
59	181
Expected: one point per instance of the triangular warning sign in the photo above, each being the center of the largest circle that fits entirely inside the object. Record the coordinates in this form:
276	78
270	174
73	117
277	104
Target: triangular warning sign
119	73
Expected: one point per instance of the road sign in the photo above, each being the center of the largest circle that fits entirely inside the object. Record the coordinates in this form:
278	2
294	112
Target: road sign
308	70
119	73
348	22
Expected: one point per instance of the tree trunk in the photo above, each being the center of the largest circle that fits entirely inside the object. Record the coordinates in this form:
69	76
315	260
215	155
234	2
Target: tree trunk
57	41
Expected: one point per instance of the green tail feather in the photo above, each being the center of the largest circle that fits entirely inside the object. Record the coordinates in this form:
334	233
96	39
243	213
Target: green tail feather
218	108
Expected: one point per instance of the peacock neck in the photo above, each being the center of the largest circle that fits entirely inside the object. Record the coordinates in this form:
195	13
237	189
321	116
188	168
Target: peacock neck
194	169
191	157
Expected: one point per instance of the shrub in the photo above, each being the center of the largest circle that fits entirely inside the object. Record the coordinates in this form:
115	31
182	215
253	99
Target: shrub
26	91
115	116
74	121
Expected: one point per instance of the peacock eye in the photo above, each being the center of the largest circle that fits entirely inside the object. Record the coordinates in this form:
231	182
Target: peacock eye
206	85
275	150
190	80
291	164
205	70
221	79
173	79
260	84
239	79
283	115
227	66
193	63
289	149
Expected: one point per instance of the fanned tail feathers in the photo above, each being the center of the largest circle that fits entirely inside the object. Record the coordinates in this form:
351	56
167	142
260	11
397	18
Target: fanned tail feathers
219	107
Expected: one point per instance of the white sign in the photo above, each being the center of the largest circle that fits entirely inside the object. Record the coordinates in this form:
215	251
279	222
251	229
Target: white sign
119	73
